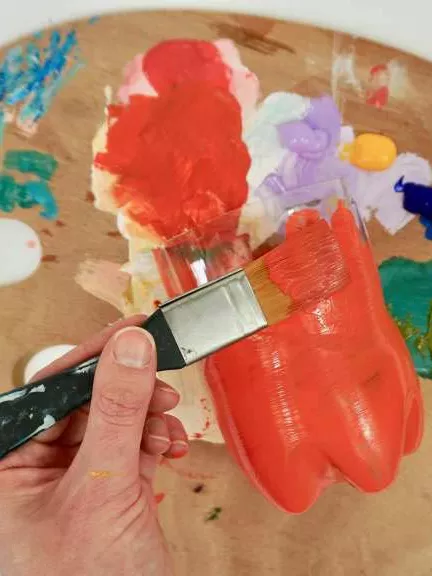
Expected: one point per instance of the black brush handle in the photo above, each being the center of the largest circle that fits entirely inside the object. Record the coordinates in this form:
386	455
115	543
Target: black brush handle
27	411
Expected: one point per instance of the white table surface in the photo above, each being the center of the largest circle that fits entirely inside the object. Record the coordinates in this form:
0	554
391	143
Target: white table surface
404	25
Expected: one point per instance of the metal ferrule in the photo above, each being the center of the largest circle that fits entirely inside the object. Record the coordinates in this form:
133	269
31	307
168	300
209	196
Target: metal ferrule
213	316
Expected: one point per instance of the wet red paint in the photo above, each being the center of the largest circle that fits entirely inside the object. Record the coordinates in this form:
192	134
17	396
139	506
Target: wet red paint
180	158
60	224
175	62
329	394
159	497
378	92
289	265
378	98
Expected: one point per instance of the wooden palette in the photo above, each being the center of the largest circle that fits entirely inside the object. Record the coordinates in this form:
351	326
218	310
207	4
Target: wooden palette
346	532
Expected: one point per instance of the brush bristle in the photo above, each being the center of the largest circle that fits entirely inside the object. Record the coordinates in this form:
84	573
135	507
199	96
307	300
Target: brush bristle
274	303
308	267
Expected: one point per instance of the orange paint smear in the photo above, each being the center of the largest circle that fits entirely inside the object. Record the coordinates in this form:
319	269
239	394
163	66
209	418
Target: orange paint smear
329	394
179	158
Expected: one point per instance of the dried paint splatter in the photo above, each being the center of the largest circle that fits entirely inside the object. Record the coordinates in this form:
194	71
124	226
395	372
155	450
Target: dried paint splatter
214	514
98	474
50	258
32	75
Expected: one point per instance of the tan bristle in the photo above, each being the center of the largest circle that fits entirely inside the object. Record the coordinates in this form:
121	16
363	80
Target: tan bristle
274	303
305	269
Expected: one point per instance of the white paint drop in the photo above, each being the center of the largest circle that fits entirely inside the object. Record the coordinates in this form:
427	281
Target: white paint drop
20	251
47	423
40	388
45	358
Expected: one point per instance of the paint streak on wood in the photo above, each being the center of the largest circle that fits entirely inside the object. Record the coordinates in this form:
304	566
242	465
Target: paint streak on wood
50	258
251	39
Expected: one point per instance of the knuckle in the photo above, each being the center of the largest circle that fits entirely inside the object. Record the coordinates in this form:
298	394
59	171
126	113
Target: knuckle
119	407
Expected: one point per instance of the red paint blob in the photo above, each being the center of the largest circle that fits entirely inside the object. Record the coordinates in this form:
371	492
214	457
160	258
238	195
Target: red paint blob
171	63
160	497
378	98
329	394
180	158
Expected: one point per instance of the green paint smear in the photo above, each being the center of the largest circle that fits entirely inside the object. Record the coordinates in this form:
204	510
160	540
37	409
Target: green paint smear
31	162
407	287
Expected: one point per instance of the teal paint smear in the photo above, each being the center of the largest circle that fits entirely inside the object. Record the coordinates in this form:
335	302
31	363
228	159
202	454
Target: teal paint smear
40	193
26	195
31	162
407	287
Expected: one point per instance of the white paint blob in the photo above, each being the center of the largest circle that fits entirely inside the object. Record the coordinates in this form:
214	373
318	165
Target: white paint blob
20	251
44	358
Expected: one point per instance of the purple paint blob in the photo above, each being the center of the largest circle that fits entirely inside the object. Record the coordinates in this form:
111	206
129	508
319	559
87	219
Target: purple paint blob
311	159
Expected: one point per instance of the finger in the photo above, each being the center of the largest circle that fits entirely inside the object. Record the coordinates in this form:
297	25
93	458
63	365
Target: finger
69	431
54	433
179	441
88	349
34	455
148	466
164	398
123	387
75	431
156	439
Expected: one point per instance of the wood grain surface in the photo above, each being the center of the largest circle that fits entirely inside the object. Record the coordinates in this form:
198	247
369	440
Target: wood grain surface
346	533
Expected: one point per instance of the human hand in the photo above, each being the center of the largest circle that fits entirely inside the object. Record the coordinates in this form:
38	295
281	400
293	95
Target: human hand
79	498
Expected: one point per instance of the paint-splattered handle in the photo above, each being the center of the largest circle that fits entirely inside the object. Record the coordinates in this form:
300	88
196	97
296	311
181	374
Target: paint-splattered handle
27	411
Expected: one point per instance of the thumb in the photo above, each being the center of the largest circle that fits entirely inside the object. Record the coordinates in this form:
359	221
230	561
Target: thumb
123	387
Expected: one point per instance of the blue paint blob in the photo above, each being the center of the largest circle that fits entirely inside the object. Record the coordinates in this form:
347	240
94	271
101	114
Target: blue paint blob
417	198
31	75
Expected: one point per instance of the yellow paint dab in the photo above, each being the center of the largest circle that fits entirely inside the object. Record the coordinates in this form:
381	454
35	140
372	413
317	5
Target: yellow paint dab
100	474
373	152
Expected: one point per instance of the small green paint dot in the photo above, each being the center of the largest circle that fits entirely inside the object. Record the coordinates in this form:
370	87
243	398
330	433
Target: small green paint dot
214	514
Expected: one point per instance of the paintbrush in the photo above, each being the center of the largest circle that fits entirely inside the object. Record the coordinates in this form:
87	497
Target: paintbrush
305	269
